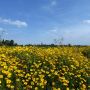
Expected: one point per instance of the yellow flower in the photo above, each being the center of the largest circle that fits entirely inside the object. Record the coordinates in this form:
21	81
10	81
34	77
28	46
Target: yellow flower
5	67
9	75
56	73
78	75
54	88
65	84
42	86
53	83
37	79
36	88
17	79
30	86
8	81
25	83
1	76
12	87
83	86
0	81
32	83
67	88
58	89
33	66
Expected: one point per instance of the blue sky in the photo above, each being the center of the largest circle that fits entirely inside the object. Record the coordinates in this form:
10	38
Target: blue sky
36	21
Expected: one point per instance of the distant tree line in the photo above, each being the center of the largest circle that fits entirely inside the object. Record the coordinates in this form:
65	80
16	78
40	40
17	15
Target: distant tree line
7	43
12	43
54	45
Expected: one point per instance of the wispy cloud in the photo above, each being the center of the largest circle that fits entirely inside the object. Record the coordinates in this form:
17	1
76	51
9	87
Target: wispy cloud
16	23
53	3
3	31
86	21
50	5
55	30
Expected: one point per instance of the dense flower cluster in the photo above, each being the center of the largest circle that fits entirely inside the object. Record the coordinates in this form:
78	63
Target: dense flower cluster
41	68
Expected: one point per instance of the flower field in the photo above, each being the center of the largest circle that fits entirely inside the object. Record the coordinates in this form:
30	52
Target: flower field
41	68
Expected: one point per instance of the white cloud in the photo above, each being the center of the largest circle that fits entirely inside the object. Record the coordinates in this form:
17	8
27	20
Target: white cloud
86	21
16	23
